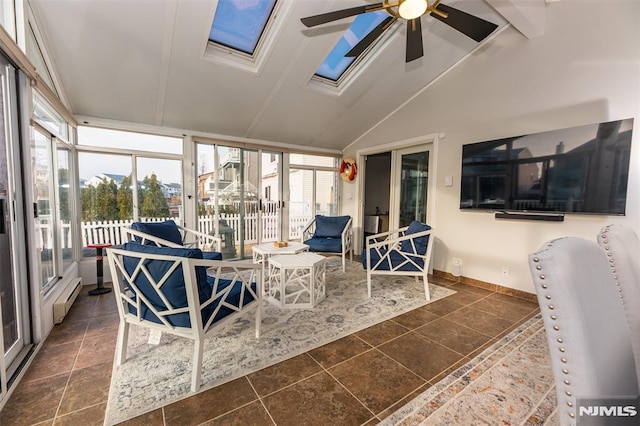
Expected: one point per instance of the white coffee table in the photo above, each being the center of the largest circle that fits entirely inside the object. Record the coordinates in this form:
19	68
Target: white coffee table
296	281
262	253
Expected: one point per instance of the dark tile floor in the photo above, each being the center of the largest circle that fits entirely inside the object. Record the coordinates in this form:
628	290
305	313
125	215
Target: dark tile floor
357	380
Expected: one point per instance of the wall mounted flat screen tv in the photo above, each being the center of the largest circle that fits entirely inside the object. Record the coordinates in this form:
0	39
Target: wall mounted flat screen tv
576	170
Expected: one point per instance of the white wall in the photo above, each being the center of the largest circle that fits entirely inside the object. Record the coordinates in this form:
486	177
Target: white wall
584	69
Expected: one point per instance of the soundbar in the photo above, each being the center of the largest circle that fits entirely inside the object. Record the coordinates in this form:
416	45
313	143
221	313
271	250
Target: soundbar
550	217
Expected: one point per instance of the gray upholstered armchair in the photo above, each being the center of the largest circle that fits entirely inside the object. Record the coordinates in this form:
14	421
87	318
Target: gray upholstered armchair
622	247
587	331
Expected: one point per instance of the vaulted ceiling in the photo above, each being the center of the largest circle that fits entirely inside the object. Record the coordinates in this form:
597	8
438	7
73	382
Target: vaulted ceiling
142	61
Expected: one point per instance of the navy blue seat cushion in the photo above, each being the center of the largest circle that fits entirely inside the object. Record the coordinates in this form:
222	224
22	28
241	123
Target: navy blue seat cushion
325	245
395	257
420	242
211	255
167	230
174	288
330	226
232	298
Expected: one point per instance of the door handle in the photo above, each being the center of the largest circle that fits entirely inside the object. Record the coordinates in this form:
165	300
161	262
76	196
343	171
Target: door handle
3	221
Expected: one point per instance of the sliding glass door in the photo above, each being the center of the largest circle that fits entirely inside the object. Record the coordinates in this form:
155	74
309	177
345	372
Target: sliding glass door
239	196
13	277
396	189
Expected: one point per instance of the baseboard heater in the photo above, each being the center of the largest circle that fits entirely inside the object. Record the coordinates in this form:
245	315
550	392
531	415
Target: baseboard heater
551	217
65	300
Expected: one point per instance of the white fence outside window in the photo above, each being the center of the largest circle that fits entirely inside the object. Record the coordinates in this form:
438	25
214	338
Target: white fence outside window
109	232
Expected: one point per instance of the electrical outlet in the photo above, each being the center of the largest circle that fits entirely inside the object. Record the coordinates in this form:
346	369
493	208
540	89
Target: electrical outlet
456	261
505	271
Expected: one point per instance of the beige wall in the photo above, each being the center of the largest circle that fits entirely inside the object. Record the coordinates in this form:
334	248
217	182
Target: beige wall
584	69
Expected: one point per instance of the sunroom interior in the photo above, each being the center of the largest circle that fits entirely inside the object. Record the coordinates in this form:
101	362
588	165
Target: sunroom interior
247	145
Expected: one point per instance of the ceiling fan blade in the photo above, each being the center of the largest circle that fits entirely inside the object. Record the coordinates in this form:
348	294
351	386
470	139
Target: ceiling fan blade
469	25
312	21
370	38
414	40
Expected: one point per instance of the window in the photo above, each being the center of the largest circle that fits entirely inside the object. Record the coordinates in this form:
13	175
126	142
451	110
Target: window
93	136
116	189
313	183
243	32
336	63
47	117
239	24
37	58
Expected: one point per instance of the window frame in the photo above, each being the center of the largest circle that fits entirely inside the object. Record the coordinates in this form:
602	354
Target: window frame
217	53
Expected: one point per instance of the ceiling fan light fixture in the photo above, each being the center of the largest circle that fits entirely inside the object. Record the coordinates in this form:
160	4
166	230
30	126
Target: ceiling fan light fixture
412	9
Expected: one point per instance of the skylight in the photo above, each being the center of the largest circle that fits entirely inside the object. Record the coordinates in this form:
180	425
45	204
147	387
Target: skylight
336	64
239	24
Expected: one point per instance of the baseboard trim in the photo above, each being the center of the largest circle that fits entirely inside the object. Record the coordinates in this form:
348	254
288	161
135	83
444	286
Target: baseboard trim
530	297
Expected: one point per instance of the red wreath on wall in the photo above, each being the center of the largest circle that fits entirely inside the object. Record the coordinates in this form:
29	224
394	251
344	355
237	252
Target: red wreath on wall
348	169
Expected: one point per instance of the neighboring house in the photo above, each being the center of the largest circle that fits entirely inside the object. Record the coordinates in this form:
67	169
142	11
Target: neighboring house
99	178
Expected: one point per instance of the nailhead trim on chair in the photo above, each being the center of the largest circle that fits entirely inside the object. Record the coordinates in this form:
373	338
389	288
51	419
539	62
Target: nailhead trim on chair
559	339
611	263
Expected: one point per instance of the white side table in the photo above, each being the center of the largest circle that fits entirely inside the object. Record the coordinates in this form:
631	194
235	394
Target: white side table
297	281
262	253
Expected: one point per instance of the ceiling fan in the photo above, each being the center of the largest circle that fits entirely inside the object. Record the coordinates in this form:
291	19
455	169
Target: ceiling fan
411	11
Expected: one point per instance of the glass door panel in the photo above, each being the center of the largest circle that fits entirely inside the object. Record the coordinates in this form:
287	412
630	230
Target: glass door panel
311	192
301	200
64	221
238	197
326	201
44	221
270	205
14	304
8	285
207	200
106	198
159	189
414	174
238	201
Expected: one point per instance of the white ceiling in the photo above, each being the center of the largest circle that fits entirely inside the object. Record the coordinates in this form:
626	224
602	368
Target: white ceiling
142	61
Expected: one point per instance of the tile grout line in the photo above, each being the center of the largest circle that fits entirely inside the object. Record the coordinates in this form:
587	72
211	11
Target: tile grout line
66	386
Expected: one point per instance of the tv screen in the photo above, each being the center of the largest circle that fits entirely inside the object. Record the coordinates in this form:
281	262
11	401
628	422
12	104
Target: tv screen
576	170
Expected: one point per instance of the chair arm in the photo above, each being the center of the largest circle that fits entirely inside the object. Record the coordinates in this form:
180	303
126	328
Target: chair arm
245	273
385	238
236	264
128	232
347	235
308	230
211	242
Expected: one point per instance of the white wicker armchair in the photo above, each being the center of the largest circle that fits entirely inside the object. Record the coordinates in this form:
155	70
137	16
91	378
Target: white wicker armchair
404	251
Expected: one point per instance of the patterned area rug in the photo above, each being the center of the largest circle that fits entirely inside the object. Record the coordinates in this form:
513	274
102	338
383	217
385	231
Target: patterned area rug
156	375
510	383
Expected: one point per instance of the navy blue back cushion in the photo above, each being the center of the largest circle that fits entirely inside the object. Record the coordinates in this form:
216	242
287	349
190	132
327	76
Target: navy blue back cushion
330	226
420	242
324	245
167	230
173	288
